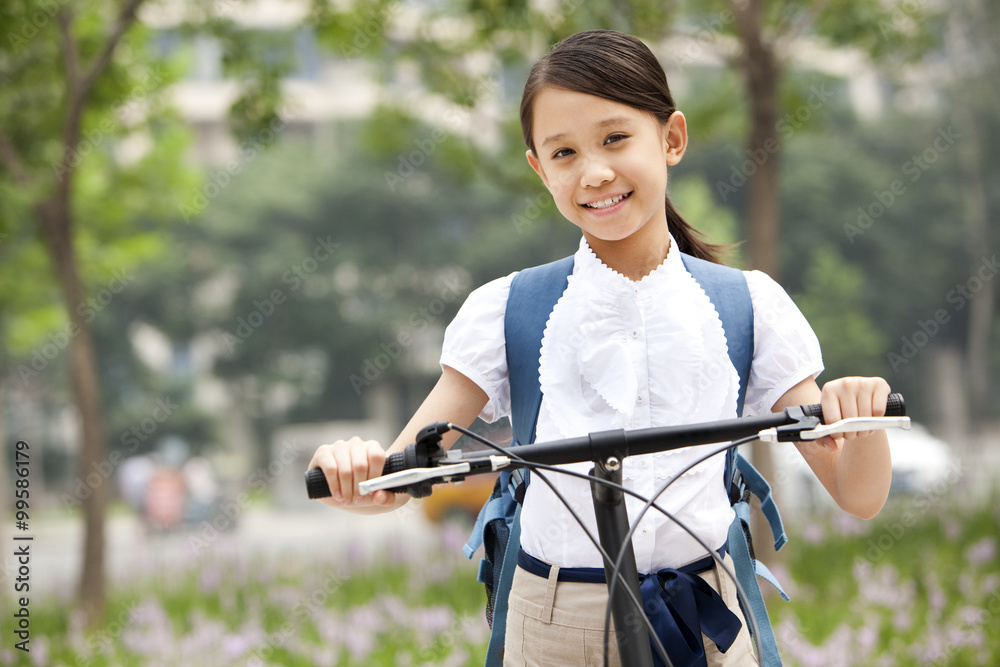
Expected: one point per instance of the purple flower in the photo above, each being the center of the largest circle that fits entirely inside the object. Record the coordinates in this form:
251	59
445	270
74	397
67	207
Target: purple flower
813	532
234	646
982	552
848	525
359	642
952	528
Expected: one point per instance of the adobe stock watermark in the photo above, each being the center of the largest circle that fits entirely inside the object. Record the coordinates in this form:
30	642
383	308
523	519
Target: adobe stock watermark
786	127
94	137
47	352
162	410
287	633
102	641
705	36
557	16
957	298
904	16
419	320
219	179
913	169
409	163
532	211
969	634
919	505
375	23
229	511
294	277
28	29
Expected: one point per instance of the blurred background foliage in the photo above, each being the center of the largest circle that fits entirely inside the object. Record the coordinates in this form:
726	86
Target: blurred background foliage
267	288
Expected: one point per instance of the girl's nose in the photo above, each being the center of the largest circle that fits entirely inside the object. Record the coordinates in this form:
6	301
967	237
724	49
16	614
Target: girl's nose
596	173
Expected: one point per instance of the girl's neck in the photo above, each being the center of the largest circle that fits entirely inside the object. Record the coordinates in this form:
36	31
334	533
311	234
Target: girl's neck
634	257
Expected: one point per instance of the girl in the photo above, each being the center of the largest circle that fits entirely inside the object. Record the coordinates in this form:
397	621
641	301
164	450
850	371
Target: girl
633	342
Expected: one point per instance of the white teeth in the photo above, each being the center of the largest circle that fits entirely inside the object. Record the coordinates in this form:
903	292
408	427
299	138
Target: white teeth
606	203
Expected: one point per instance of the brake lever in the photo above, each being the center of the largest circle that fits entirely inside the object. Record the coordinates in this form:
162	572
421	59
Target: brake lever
412	476
856	425
852	425
444	471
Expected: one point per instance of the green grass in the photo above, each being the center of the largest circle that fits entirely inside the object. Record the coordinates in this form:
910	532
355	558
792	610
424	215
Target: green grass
920	585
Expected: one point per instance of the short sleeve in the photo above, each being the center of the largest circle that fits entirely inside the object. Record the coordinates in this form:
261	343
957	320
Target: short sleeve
474	345
786	350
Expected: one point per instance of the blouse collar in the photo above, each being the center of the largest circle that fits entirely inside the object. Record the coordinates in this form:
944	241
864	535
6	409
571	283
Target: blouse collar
588	267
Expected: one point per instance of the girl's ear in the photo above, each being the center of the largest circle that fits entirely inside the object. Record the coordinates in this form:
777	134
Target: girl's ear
675	138
537	166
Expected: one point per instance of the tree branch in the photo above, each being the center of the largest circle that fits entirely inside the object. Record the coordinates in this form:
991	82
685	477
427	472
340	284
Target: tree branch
70	57
125	20
794	29
80	87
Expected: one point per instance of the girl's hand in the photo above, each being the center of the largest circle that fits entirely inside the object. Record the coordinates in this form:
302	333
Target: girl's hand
849	397
347	463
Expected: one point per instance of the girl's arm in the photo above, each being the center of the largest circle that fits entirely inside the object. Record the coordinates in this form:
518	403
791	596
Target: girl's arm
346	463
855	468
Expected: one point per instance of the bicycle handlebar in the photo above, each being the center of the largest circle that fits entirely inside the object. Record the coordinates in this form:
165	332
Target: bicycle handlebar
787	425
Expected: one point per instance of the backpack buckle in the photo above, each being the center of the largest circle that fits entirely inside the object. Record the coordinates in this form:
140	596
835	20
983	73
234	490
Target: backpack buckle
737	489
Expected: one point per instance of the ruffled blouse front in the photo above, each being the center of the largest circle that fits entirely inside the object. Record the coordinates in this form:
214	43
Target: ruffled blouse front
629	354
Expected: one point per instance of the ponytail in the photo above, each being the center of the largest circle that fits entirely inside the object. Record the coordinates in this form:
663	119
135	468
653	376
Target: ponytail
690	240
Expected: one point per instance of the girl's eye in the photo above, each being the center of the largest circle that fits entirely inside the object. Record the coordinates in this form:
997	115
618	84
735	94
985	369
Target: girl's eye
614	138
562	152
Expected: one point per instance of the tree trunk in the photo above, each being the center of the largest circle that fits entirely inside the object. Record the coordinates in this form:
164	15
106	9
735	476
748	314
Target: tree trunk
761	74
55	218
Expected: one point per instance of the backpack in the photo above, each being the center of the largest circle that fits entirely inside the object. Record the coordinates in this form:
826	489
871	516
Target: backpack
533	295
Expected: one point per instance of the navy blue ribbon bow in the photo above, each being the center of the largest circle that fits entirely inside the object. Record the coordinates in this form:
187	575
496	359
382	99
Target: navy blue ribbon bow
681	606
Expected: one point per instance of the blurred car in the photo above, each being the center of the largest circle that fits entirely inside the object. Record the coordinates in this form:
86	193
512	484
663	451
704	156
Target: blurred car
919	460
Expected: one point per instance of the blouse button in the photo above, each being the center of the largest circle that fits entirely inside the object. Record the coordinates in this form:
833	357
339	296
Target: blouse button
635	334
639	398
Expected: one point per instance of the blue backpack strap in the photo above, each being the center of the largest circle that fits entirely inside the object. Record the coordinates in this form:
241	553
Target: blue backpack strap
728	291
533	294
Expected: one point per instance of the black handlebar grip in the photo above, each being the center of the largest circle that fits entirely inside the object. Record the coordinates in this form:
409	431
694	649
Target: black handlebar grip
895	406
316	485
396	462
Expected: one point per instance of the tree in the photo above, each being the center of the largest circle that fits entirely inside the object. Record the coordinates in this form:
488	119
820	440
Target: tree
767	34
79	81
85	60
758	39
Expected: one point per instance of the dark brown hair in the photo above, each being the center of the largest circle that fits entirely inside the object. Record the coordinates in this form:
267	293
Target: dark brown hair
620	68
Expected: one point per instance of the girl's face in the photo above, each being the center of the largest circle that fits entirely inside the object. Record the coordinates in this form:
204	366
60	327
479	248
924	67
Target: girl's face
605	164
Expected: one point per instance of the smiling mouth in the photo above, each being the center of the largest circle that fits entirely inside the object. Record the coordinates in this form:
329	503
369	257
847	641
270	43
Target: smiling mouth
607	203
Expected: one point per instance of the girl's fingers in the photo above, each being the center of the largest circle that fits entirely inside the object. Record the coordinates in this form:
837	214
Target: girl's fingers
846	398
348	463
344	474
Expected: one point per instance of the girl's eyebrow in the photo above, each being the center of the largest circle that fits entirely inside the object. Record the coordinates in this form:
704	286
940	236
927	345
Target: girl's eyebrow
614	120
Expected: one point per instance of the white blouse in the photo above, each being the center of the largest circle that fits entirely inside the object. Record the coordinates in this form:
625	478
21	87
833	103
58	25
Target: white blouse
624	354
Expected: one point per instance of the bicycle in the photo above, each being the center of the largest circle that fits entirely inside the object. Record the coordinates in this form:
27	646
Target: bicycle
425	463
